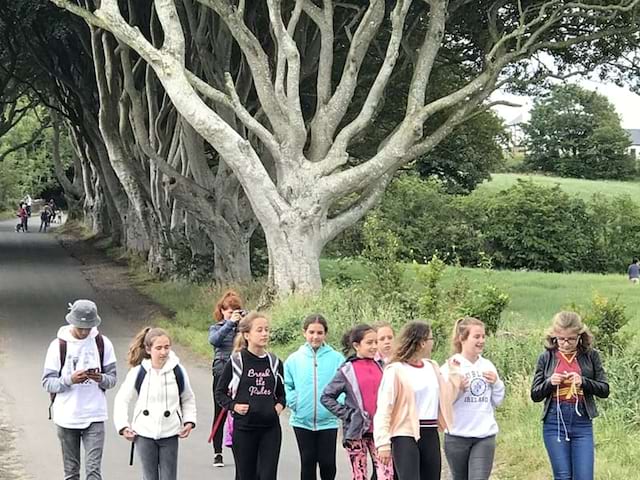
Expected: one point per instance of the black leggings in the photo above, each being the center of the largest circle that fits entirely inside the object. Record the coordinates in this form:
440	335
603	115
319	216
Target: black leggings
217	439
317	449
417	460
256	452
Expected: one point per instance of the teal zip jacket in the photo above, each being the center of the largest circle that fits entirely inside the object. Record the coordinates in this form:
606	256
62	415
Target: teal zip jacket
306	373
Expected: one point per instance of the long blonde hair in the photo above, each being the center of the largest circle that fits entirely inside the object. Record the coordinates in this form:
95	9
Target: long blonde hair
244	326
461	330
144	339
567	320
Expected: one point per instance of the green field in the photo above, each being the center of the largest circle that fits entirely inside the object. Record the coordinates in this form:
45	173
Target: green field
574	186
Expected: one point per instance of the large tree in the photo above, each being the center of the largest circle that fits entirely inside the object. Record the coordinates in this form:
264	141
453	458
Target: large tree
293	155
575	132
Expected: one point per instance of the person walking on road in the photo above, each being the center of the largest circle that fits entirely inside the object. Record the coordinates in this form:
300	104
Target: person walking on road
79	367
24	218
164	404
470	442
358	379
414	401
227	313
306	374
252	388
45	218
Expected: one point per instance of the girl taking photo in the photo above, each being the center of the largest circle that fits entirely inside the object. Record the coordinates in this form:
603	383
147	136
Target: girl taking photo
470	442
164	409
414	400
358	379
227	313
252	388
568	377
306	374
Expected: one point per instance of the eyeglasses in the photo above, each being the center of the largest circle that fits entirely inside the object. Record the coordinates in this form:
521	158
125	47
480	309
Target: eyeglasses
429	338
566	339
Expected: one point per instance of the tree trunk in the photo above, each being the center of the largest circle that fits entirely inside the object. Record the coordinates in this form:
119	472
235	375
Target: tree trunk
294	259
232	260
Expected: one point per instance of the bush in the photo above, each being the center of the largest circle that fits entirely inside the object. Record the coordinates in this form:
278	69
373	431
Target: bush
536	227
606	318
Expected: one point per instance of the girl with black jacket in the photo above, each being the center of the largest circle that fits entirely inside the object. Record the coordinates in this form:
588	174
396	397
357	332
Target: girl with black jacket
568	376
252	388
227	313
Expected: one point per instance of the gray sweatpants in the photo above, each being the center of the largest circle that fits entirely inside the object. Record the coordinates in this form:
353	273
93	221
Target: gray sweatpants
92	439
159	458
469	458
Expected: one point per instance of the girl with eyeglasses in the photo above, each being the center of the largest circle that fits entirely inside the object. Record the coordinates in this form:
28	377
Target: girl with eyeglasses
470	442
414	401
569	374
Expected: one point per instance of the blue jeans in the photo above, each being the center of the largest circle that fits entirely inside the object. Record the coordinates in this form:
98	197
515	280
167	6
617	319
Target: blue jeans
571	459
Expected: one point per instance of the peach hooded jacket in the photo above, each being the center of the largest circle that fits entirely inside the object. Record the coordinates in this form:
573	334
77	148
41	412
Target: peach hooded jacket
396	413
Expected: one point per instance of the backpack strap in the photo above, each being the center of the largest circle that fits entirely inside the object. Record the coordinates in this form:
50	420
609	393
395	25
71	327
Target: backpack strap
140	378
62	348
100	344
274	364
236	373
177	371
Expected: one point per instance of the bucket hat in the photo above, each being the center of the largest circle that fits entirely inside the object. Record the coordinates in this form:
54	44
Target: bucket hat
83	314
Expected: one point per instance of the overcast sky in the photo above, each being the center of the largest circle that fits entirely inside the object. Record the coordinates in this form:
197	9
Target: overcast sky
626	102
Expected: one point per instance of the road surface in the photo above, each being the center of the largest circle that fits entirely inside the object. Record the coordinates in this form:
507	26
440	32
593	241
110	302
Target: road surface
38	278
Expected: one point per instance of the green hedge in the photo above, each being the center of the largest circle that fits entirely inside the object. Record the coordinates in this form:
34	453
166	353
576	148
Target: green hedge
527	226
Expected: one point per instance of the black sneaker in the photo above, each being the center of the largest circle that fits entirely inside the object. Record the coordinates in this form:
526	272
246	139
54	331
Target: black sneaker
217	460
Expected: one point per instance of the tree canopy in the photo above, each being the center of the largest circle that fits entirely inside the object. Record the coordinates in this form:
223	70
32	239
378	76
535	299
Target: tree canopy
576	132
202	118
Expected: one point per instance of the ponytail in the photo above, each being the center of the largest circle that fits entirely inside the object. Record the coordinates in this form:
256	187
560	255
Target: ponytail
355	335
144	339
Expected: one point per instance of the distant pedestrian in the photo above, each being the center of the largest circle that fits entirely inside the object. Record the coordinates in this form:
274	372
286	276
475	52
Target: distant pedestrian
470	442
252	388
45	218
358	380
306	373
54	209
634	271
414	401
164	404
28	203
80	366
227	313
24	218
568	376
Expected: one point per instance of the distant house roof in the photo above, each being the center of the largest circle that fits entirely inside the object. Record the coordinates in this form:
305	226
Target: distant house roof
634	134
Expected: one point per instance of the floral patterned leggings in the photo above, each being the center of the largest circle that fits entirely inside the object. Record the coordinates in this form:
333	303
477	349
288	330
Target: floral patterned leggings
357	451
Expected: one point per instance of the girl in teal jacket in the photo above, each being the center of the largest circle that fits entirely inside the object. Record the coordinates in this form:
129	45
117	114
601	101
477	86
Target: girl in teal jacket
306	373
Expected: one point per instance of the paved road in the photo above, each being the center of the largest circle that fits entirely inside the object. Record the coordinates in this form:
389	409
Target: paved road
37	280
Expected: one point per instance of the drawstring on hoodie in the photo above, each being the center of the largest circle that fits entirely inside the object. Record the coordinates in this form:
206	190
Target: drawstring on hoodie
573	392
166	413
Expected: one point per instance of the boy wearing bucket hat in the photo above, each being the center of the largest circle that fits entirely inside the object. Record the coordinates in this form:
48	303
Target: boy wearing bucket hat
80	366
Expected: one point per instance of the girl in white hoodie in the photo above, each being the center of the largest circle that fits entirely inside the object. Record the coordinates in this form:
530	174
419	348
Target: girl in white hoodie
165	407
470	441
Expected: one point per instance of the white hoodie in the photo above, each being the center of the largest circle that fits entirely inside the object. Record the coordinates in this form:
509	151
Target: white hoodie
78	405
473	411
158	393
